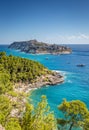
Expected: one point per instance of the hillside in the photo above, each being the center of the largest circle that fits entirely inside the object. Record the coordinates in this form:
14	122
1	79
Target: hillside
17	77
35	47
27	71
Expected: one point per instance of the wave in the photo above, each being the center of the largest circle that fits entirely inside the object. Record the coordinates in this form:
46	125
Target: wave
63	72
66	75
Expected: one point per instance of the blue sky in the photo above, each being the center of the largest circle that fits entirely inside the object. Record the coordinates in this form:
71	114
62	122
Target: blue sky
53	21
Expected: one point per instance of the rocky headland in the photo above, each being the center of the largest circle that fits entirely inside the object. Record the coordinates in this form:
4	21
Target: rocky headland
24	89
18	76
35	47
48	79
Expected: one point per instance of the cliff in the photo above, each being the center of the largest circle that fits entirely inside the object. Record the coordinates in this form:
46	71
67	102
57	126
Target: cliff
35	47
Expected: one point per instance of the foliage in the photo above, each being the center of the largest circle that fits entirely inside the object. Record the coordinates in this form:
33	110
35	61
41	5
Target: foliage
5	84
2	118
86	124
13	124
5	108
15	69
39	118
75	113
21	69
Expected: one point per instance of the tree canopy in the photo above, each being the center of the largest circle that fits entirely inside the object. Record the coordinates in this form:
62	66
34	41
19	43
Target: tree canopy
75	114
21	69
39	117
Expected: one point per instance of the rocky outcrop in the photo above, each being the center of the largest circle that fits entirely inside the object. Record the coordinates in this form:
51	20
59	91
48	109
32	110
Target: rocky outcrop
23	89
35	47
48	79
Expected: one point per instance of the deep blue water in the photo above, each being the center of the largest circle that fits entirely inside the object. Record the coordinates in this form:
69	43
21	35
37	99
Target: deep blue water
76	85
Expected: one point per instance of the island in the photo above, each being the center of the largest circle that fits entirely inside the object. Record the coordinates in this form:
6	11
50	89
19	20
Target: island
35	47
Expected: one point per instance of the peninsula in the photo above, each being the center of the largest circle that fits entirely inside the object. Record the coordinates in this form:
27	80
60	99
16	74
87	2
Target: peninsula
35	47
27	74
18	76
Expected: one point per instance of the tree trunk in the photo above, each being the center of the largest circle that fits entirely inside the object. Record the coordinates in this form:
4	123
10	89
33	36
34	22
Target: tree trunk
71	126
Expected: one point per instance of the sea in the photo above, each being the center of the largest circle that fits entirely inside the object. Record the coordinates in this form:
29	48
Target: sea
76	79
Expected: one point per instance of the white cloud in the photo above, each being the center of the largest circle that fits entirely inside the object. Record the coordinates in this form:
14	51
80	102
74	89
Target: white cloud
79	38
72	39
83	36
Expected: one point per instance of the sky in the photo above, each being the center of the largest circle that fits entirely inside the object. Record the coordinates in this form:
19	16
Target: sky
51	21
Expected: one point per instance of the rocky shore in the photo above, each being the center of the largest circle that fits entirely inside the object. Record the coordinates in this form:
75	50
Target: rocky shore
22	90
49	79
35	47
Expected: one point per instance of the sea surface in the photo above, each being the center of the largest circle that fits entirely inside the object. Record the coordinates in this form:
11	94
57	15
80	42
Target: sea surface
76	84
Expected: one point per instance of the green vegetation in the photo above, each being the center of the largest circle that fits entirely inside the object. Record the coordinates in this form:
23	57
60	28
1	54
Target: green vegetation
21	69
5	108
16	69
5	84
39	118
76	115
34	118
13	124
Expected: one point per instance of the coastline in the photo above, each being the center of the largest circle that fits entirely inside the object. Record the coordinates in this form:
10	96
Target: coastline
49	79
23	90
43	53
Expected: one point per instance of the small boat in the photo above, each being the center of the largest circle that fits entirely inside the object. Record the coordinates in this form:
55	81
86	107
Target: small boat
80	65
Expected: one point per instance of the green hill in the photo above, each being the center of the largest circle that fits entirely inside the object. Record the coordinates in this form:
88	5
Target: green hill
21	69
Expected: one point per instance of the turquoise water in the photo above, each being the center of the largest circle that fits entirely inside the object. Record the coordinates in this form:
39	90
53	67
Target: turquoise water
76	84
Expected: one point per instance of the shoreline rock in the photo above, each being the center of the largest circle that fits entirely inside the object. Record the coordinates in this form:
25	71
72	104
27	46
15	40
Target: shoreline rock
49	79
